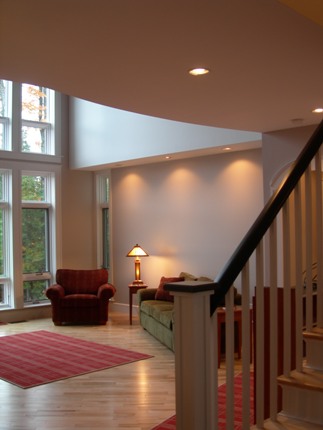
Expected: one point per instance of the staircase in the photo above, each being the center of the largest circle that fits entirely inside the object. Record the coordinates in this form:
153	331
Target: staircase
274	264
302	391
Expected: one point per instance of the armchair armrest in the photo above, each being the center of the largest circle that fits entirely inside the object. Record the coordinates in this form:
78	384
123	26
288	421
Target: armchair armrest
55	292
146	294
106	291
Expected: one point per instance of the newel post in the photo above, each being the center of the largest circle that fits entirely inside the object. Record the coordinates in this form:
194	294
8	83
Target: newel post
195	355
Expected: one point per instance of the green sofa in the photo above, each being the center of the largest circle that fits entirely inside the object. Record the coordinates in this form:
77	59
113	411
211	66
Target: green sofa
157	315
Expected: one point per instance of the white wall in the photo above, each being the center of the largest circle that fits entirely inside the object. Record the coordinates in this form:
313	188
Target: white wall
101	135
188	215
78	216
279	150
78	224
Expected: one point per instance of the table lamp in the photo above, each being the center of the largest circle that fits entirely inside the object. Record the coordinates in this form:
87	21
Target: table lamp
137	252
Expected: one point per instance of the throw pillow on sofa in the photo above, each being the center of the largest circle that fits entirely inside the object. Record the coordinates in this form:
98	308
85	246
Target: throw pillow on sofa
161	293
188	276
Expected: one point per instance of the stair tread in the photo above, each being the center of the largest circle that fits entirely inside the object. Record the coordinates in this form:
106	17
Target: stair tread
284	422
307	379
316	333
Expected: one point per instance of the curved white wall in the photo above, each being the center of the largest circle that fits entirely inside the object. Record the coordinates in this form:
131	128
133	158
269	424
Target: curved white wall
100	135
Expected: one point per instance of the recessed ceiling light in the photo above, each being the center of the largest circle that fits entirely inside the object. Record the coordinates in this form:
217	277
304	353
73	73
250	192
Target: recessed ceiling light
227	148
198	71
317	110
168	157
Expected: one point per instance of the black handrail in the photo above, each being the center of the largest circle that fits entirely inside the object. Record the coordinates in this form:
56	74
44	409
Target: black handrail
239	258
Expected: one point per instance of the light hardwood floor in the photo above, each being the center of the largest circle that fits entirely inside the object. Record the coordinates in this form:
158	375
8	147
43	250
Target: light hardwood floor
134	396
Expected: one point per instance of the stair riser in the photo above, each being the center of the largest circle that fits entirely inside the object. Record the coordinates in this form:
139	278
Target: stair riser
303	404
314	354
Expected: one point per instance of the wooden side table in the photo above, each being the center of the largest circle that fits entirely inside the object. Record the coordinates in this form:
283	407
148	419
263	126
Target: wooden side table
133	288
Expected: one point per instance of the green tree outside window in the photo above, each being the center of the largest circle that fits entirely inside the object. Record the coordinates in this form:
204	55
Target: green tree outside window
34	237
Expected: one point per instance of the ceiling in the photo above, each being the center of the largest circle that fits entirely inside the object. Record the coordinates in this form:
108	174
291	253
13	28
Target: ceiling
265	57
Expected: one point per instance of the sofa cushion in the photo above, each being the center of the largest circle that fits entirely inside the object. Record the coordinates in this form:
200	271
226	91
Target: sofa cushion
166	318
161	293
160	310
149	306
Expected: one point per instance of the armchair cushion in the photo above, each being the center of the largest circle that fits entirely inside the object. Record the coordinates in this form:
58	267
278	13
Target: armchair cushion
80	300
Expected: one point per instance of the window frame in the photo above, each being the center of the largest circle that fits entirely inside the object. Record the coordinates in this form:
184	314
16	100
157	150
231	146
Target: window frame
6	119
45	126
48	125
5	205
5	123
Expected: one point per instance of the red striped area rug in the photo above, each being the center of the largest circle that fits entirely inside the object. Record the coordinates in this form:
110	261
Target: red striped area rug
40	357
170	423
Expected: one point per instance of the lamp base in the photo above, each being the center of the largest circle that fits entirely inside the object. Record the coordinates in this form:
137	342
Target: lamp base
137	282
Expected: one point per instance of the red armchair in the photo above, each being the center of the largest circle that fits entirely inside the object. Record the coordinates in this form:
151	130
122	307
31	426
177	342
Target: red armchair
80	296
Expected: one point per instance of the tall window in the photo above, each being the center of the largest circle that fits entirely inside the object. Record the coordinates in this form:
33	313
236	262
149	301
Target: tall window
103	199
36	119
35	236
29	174
105	237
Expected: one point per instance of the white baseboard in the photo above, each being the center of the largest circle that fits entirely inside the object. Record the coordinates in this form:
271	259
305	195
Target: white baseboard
29	313
120	307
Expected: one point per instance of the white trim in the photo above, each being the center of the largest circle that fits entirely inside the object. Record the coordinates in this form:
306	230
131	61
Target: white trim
31	157
43	276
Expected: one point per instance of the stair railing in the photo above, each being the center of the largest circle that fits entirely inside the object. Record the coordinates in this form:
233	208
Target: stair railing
276	257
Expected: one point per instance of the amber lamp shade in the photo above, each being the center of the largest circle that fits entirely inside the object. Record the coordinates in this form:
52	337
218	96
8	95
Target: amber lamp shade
137	252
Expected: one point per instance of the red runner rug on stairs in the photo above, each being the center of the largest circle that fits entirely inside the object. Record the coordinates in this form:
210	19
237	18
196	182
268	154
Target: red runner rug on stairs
170	423
40	357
